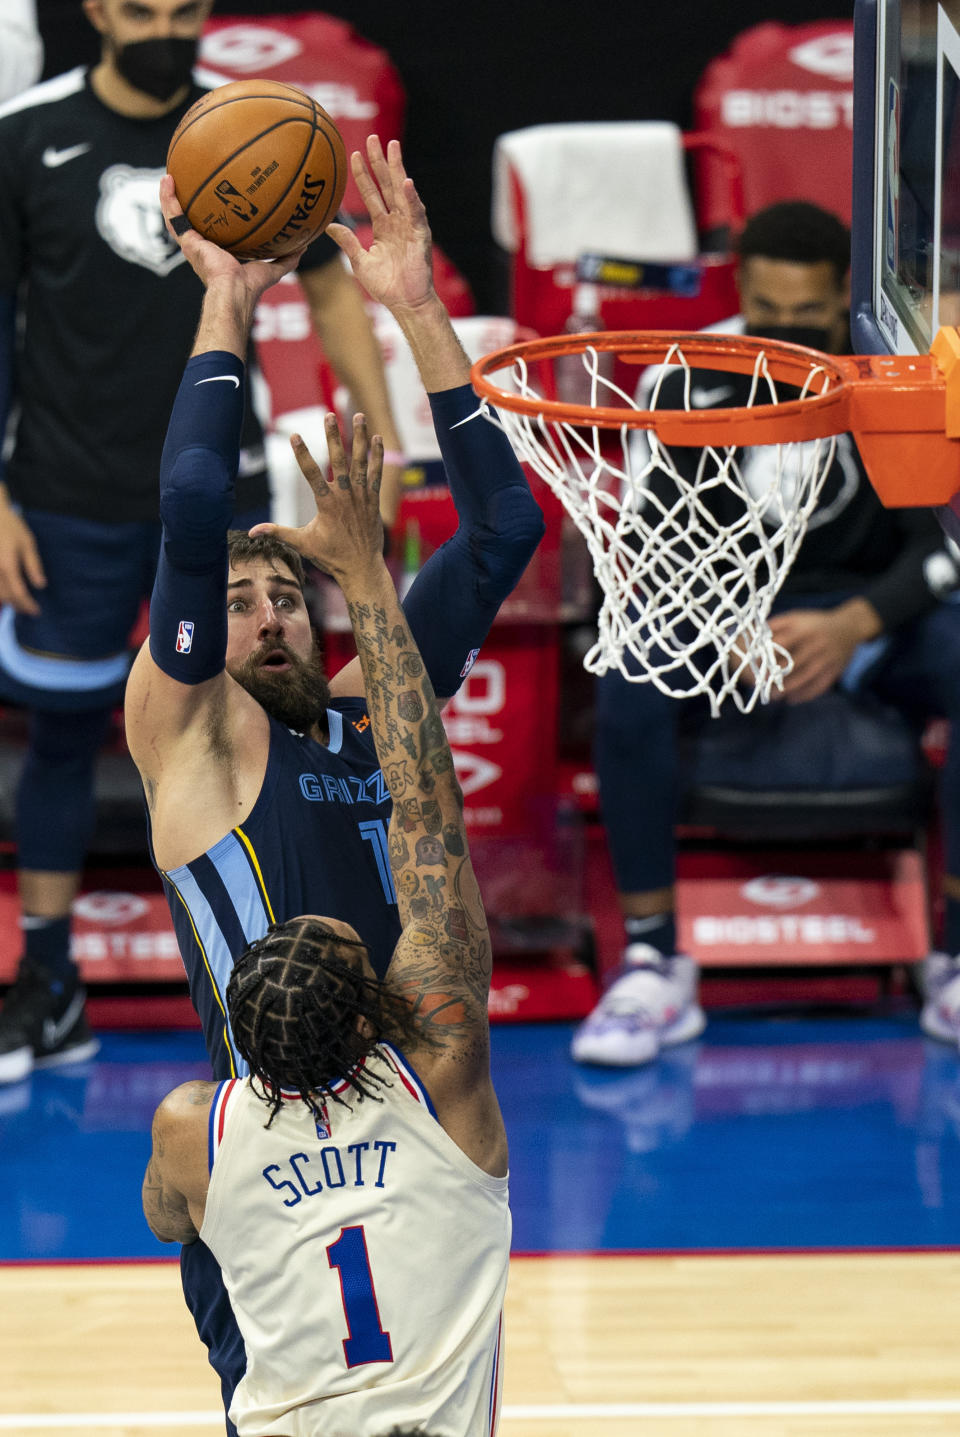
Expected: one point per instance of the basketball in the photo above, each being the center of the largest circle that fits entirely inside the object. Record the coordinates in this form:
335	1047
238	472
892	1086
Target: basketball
259	167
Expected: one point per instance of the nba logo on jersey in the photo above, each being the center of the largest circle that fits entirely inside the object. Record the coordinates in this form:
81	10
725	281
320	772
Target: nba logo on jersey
471	660
323	1124
185	636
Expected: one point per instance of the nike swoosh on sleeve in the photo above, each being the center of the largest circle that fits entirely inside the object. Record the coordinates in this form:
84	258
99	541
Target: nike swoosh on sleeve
229	378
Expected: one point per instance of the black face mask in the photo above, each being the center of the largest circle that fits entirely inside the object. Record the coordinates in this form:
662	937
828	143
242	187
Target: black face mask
809	335
157	67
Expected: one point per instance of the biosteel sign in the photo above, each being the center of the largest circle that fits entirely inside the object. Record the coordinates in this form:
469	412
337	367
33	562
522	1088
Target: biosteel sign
850	908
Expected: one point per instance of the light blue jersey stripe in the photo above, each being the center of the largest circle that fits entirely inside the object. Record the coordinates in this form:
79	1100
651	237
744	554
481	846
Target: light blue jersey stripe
219	958
229	858
335	730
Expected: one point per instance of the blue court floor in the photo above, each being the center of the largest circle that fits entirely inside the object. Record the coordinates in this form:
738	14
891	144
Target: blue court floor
767	1133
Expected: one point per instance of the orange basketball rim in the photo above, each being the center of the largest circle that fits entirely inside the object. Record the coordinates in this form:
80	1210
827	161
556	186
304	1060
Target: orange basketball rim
902	410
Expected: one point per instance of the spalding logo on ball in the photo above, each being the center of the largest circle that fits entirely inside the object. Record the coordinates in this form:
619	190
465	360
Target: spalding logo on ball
259	167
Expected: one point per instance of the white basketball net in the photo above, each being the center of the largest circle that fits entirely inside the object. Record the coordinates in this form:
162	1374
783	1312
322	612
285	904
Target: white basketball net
686	595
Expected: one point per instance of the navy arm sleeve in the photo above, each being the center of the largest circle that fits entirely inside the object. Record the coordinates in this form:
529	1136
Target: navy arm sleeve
188	607
455	597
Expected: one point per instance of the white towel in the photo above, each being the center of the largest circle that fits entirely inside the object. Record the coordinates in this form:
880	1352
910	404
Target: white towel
21	49
613	187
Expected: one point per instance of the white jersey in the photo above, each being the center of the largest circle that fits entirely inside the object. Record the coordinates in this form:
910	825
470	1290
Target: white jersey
366	1262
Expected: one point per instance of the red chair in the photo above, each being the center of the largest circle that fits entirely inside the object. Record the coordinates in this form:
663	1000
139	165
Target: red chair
354	80
782	99
618	189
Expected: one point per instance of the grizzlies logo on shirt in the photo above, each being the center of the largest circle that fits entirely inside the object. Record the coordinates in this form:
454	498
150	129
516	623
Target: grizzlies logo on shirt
129	218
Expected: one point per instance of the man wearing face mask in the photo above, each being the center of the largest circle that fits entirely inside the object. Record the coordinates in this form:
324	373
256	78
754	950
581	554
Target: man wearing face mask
860	607
97	314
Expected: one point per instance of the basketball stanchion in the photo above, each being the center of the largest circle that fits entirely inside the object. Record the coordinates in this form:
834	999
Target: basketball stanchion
688	555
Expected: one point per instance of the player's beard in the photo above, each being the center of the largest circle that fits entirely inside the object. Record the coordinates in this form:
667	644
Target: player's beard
297	697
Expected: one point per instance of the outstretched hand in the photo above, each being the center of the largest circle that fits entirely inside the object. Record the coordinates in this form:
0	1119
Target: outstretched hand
397	269
345	536
210	262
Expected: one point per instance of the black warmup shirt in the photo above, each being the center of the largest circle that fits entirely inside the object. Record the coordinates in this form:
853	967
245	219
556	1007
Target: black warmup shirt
109	306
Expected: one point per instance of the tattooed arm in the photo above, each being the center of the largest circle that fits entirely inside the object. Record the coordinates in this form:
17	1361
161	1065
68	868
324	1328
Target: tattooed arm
175	1183
441	965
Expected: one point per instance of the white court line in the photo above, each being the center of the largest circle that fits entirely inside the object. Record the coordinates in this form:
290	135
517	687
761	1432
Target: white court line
518	1412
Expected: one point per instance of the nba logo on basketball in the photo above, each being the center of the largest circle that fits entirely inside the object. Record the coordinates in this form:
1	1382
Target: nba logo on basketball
234	200
185	636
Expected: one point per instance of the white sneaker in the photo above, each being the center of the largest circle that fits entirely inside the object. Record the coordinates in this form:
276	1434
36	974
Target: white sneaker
652	1005
940	1015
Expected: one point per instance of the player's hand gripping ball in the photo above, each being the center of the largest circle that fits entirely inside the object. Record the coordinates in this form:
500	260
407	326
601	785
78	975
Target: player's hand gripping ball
259	168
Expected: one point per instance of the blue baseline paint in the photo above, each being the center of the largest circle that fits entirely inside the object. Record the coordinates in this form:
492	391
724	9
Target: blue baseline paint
767	1133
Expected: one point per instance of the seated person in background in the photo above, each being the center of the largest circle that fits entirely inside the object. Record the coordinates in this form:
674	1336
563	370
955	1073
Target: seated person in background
860	603
358	1207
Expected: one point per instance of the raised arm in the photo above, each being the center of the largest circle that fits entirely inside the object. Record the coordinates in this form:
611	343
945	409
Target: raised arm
442	962
179	674
455	597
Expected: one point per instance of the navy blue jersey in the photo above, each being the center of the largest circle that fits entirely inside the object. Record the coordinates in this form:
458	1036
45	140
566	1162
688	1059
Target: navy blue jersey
314	842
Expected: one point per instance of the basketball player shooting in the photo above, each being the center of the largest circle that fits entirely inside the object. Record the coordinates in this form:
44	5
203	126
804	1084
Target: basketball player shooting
358	1205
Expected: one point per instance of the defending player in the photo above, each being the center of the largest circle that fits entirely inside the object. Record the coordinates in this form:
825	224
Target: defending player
358	1207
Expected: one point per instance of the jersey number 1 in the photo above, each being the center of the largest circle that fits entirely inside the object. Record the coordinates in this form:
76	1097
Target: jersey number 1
367	1341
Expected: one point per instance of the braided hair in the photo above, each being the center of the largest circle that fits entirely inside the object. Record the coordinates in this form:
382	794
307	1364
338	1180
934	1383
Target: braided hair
294	998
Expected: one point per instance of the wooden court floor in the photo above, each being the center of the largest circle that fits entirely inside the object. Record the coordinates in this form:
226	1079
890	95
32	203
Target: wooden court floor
757	1346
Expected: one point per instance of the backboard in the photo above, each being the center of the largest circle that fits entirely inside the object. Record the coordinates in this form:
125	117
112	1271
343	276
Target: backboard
906	202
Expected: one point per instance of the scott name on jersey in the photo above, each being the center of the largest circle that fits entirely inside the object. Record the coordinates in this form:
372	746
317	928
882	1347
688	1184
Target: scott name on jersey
359	1165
